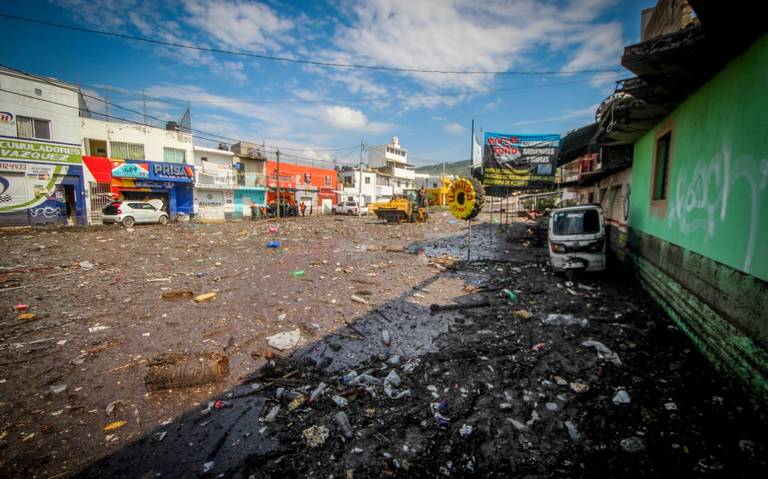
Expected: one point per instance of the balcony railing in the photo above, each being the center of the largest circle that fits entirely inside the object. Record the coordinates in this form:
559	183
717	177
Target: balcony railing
579	168
251	179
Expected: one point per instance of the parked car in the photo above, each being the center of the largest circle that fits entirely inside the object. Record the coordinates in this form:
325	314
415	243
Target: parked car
128	213
577	238
349	208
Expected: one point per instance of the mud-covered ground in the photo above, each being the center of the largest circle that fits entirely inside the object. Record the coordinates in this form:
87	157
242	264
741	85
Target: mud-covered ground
498	389
96	324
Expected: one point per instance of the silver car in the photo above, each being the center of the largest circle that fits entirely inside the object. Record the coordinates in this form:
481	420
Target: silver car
128	213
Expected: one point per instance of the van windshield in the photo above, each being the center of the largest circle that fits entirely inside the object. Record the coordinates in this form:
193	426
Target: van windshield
576	222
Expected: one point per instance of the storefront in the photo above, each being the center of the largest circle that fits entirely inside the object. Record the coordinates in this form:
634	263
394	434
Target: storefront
214	204
245	197
41	182
146	180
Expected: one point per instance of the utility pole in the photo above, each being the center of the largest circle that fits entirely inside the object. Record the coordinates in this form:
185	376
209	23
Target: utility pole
472	149
277	185
106	101
360	179
144	101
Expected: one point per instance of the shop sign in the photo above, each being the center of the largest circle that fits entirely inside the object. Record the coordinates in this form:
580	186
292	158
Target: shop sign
130	170
12	166
18	149
6	117
170	170
520	161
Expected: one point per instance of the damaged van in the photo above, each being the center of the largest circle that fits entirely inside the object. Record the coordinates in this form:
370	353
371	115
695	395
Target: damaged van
577	238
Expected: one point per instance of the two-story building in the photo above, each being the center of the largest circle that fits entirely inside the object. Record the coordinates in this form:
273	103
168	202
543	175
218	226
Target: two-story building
137	162
391	163
41	169
250	164
365	192
215	180
313	186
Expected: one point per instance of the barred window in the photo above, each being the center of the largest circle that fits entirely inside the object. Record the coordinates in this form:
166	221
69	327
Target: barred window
121	150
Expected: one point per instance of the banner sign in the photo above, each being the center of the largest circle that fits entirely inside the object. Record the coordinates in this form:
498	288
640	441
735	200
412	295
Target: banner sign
130	170
520	161
26	150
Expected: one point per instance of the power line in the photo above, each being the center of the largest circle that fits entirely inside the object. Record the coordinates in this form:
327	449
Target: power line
126	120
294	60
234	140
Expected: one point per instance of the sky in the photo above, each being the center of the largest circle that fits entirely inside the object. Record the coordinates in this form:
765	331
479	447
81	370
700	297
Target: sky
322	112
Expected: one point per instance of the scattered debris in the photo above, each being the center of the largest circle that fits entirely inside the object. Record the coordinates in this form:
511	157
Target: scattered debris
358	299
205	297
315	436
621	397
285	340
553	319
174	295
603	352
180	370
114	425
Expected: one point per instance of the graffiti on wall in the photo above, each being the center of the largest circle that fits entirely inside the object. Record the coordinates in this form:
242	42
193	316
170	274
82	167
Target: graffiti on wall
701	199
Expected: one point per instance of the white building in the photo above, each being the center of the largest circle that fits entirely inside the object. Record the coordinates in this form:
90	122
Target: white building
137	162
391	161
370	191
215	178
41	168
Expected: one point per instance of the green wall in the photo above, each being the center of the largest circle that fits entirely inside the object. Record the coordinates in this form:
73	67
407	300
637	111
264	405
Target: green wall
717	201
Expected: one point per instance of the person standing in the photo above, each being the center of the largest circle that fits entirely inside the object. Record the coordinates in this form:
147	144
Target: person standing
254	211
302	207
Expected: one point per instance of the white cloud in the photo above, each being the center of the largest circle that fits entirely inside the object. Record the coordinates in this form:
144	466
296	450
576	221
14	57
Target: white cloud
344	117
251	26
454	128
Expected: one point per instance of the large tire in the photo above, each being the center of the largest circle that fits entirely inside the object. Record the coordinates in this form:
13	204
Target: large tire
128	221
163	220
479	198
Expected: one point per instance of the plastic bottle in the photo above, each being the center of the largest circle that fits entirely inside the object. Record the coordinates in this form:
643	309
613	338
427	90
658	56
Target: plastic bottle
317	392
343	422
386	338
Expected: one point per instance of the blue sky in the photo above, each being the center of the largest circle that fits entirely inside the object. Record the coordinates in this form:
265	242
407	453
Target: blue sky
313	108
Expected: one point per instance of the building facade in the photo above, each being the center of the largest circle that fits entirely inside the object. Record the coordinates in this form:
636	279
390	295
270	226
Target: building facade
315	187
137	162
369	191
215	183
391	161
41	168
250	164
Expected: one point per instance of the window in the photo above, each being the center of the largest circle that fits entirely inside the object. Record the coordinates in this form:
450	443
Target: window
33	128
367	180
576	222
661	169
174	155
122	150
327	181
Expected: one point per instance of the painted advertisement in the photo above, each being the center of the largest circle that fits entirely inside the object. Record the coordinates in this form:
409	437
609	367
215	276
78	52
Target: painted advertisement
519	161
48	152
130	170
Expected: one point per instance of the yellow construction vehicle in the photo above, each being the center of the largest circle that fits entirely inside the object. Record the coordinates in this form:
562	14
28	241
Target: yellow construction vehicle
403	208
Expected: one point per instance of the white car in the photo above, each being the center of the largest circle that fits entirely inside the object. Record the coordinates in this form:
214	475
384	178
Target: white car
349	208
128	213
577	238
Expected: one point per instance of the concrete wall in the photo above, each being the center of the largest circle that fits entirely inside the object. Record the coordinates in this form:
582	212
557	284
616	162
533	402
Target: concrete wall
153	139
703	252
64	118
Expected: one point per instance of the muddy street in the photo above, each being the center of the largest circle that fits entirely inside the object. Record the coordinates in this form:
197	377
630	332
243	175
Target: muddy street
402	358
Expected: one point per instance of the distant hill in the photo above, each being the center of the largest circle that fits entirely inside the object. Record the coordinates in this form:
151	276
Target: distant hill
458	168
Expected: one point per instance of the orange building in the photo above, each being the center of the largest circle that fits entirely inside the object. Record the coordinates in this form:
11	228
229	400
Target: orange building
315	187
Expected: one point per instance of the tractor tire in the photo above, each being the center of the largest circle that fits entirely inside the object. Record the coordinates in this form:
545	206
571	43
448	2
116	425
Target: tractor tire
479	198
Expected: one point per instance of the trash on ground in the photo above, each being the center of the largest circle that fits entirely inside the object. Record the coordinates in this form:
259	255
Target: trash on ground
180	370
315	435
632	444
284	340
205	297
465	431
579	388
554	319
522	314
273	244
511	295
172	295
114	425
603	351
621	397
358	299
344	425
297	273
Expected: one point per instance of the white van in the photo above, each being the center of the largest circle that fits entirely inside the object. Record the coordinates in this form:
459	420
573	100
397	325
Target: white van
577	238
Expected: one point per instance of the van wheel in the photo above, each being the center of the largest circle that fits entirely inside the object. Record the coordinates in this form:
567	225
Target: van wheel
128	221
163	220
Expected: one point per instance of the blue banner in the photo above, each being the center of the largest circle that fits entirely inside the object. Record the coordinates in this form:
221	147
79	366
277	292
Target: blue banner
519	161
